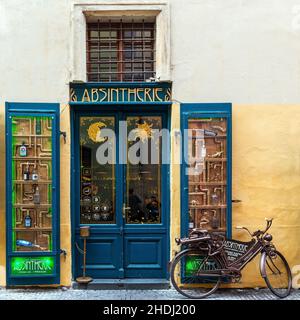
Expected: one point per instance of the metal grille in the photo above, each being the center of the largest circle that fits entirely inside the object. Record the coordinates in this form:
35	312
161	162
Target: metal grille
120	51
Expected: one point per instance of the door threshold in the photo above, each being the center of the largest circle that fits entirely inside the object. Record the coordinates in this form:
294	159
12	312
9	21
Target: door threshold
127	284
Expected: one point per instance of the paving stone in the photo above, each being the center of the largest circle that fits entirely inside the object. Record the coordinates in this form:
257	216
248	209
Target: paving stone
167	294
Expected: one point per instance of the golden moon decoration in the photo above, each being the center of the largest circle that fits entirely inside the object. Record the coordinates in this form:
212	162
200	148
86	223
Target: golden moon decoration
94	132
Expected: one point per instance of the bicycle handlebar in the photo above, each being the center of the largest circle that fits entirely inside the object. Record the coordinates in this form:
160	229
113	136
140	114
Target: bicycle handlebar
269	223
258	232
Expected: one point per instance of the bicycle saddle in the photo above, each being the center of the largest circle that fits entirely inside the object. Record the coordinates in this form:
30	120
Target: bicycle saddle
194	236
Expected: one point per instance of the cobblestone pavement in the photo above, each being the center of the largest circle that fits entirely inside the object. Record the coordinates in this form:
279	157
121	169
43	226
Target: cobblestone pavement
171	294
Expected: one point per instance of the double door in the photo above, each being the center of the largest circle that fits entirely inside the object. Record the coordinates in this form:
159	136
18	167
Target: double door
121	193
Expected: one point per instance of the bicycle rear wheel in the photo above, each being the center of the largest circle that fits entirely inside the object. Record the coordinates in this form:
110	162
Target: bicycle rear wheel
277	274
194	275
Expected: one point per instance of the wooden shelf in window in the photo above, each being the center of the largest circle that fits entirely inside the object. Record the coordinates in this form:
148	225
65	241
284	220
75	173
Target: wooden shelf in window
196	193
37	229
32	135
210	137
31	158
215	159
32	181
222	206
34	206
208	183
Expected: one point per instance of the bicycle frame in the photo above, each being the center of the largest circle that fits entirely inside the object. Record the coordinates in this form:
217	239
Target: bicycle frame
231	255
233	268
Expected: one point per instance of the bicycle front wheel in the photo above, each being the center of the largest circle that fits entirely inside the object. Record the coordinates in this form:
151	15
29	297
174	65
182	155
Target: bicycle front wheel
277	274
194	274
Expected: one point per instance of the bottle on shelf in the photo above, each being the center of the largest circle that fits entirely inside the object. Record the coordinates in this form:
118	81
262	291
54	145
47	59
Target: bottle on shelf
38	126
26	173
214	199
23	150
36	196
209	133
27	220
25	243
191	221
35	175
203	150
215	222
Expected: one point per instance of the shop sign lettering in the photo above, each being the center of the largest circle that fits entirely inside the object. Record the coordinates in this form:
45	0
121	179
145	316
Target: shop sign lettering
94	94
234	250
194	263
32	265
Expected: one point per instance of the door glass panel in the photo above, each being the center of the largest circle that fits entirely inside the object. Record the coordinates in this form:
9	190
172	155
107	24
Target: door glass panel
31	183
97	171
143	171
207	174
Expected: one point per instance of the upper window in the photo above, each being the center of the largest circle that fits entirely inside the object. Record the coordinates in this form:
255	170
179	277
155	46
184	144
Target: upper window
120	51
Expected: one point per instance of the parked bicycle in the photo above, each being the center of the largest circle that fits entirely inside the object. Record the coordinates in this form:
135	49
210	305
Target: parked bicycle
209	259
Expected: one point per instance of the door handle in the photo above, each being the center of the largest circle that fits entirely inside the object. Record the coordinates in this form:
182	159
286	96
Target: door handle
236	201
124	209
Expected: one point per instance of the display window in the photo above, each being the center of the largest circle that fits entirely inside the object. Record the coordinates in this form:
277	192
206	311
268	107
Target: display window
31	183
208	183
32	205
206	169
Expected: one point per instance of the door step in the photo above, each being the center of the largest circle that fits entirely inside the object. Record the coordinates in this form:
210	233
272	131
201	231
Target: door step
128	284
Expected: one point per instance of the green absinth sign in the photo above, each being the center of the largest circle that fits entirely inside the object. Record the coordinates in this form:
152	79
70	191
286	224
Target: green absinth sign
32	265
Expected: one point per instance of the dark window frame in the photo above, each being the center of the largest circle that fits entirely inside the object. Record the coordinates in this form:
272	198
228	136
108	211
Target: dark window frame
120	51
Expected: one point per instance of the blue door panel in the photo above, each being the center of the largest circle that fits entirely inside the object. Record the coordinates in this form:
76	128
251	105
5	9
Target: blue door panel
101	256
102	251
145	256
143	252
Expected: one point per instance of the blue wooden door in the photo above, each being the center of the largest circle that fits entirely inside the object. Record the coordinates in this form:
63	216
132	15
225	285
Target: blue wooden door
122	194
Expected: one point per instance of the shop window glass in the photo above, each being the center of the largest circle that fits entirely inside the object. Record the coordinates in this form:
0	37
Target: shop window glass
143	180
97	181
208	176
32	183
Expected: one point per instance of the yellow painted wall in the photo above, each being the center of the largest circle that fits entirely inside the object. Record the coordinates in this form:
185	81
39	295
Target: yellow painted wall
175	181
266	177
65	202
